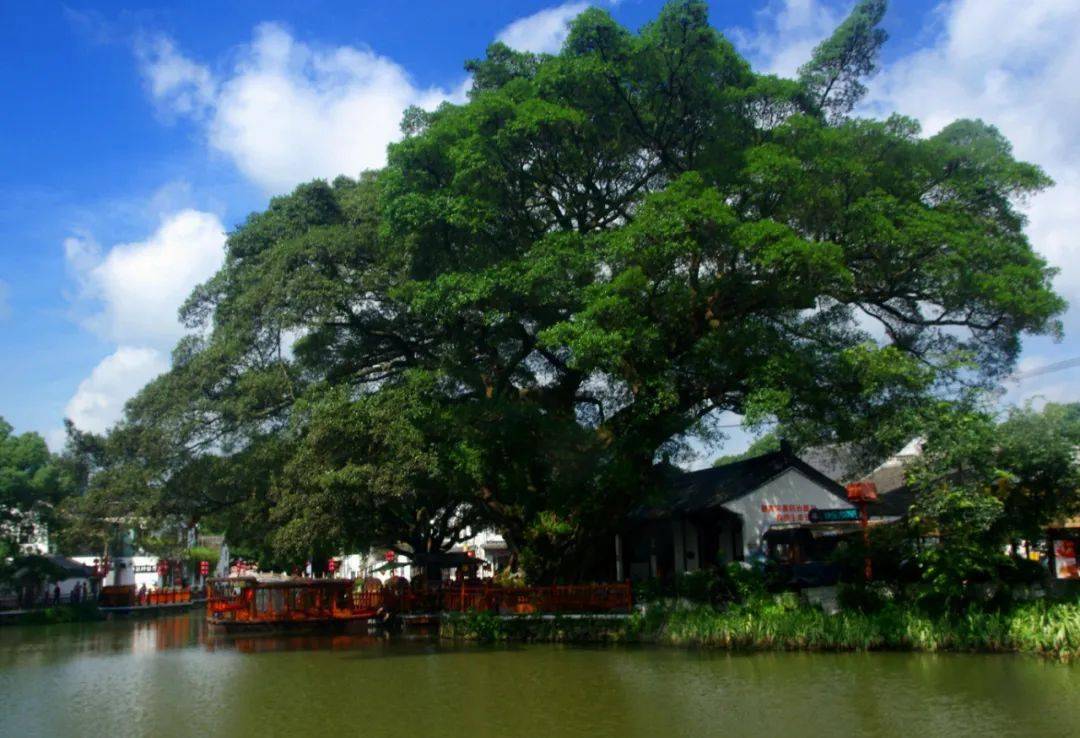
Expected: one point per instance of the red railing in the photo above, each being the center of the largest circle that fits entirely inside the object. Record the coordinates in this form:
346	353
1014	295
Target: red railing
455	597
170	596
128	596
335	599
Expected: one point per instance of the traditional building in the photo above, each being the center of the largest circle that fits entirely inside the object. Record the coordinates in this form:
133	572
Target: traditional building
723	514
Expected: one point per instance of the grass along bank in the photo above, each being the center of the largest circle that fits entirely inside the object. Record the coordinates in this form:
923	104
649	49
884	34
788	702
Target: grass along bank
79	613
782	623
1045	628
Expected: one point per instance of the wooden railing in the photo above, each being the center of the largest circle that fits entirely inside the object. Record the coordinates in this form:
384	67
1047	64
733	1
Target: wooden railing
455	597
170	596
128	596
284	601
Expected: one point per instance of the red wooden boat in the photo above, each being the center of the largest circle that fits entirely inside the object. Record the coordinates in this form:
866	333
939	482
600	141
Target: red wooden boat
244	604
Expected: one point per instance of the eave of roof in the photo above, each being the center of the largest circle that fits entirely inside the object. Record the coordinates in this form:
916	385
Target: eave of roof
708	489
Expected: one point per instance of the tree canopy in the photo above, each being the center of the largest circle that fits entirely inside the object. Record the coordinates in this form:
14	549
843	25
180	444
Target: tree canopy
550	288
32	483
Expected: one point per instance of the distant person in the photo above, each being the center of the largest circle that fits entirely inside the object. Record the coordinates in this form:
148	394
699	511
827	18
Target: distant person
56	594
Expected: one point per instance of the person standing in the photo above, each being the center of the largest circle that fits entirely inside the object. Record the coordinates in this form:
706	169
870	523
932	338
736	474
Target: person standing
56	594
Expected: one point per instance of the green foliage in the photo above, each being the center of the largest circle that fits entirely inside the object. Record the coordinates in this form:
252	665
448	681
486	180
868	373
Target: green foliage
485	627
561	281
983	486
762	445
196	554
781	623
732	583
32	483
1048	629
832	76
79	613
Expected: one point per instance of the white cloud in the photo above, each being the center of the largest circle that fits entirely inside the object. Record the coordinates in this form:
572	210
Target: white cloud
178	84
140	286
99	399
287	112
785	34
134	291
542	32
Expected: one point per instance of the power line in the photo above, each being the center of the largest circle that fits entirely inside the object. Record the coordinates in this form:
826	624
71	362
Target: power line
1048	369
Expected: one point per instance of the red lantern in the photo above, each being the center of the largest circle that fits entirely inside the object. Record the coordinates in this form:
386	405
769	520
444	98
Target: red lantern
390	556
862	492
331	566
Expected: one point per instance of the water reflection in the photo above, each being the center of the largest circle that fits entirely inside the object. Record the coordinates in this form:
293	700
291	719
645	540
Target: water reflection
277	643
144	636
171	677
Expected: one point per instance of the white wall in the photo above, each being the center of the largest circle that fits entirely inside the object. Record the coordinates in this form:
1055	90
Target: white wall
127	574
786	498
67	585
685	536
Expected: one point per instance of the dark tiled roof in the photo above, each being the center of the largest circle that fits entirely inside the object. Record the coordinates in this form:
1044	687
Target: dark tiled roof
894	503
895	497
71	567
708	489
836	461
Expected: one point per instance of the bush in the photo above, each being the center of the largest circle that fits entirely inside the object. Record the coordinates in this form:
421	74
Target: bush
742	583
701	586
82	612
865	597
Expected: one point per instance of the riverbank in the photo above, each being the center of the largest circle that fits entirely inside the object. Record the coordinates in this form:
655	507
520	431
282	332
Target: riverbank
1050	629
79	613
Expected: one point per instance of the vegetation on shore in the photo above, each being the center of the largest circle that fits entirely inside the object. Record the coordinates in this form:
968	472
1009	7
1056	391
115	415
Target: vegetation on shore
782	623
80	613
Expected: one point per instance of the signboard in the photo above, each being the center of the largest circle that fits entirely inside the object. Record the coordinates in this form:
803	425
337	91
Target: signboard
835	515
204	568
1065	566
787	513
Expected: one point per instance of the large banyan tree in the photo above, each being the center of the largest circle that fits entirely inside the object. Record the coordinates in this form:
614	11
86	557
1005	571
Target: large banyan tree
520	320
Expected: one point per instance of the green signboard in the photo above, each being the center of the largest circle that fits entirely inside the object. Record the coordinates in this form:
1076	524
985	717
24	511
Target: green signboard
836	515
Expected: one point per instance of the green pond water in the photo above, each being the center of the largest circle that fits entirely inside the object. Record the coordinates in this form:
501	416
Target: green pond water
168	677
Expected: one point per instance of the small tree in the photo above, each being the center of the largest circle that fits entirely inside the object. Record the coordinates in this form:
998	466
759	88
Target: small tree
983	486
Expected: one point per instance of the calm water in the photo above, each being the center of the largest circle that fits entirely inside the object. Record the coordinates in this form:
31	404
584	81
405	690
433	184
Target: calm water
167	677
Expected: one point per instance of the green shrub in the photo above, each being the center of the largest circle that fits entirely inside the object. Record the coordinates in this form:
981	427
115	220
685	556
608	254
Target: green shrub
82	612
781	623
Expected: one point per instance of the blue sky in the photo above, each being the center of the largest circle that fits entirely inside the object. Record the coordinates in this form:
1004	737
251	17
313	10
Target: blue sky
133	136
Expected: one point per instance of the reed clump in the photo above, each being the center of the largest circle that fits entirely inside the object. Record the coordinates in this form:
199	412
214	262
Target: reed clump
783	623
